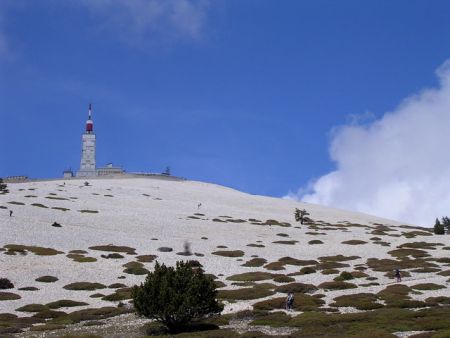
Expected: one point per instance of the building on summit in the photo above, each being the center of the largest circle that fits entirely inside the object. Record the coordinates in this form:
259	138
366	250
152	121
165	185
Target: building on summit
88	166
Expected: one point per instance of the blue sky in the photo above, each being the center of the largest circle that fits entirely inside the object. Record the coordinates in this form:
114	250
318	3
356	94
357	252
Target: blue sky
246	94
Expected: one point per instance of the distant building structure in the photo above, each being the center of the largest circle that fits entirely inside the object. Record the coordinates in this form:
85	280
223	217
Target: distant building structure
88	160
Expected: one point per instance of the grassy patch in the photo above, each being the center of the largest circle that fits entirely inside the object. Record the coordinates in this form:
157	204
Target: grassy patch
64	303
338	258
427	286
274	266
37	250
29	288
255	262
283	279
229	253
114	248
251	276
337	285
360	301
84	286
254	245
315	242
114	255
87	211
302	302
135	268
416	253
354	242
16	203
296	288
81	258
146	258
46	279
165	249
8	296
245	293
60	208
32	308
296	262
421	245
292	242
57	198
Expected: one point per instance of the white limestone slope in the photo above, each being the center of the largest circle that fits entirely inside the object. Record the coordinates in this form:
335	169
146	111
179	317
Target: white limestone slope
142	209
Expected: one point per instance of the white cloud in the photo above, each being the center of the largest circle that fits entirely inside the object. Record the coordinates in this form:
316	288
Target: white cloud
138	20
398	166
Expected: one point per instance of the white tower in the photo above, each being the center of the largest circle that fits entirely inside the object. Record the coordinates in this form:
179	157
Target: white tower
87	165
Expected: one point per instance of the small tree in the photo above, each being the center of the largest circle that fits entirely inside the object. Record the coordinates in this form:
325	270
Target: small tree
446	223
300	215
176	296
3	187
439	228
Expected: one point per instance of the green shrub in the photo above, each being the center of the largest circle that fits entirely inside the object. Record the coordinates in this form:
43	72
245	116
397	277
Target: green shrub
176	296
6	284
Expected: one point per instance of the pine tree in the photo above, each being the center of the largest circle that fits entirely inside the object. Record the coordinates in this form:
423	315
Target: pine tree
300	215
446	223
439	228
176	296
3	187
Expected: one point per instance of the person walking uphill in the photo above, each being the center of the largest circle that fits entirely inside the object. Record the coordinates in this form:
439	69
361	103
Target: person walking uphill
398	276
289	301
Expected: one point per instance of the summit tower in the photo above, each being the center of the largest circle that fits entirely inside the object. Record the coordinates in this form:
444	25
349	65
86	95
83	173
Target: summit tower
87	165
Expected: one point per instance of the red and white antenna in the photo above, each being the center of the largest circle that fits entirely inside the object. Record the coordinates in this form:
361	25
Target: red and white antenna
89	123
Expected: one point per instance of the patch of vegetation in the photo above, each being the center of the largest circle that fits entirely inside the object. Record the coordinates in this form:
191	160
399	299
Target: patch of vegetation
112	256
5	283
64	303
427	286
8	296
60	208
416	253
274	266
32	308
331	265
296	262
46	279
57	198
16	203
283	279
114	248
37	250
146	258
315	241
29	288
135	268
81	258
337	285
229	253
421	245
245	293
292	242
89	314
84	286
306	270
296	288
251	276
119	295
360	301
193	296
255	262
87	211
277	223
344	275
338	258
354	242
165	249
302	302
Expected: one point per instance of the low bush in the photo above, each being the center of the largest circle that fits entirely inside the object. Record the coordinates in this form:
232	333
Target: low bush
229	253
6	284
337	285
